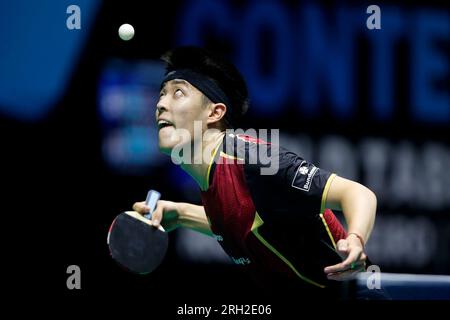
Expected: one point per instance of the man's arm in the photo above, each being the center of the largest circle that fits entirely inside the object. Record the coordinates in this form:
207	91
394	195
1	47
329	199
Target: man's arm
358	204
193	217
177	214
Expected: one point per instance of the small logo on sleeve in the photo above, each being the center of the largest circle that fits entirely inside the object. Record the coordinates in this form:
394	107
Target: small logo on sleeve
304	176
303	170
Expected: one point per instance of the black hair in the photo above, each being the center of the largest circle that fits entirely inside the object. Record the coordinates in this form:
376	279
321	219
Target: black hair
216	68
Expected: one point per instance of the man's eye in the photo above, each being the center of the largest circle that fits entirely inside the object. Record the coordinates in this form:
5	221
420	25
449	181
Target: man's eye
161	93
178	92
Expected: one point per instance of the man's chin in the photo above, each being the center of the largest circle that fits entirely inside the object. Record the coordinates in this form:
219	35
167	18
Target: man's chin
167	150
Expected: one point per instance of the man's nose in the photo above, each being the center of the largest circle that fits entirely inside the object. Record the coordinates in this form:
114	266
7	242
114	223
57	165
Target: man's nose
160	108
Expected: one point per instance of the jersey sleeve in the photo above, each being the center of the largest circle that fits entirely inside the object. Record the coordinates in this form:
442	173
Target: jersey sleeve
282	181
309	182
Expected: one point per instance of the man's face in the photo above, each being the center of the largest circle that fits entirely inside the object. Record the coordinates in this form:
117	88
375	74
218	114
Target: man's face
179	105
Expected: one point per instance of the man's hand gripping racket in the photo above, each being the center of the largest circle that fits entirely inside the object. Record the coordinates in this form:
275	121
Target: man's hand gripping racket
134	242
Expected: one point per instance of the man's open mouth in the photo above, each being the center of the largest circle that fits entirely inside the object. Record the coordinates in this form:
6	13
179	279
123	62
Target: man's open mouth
164	123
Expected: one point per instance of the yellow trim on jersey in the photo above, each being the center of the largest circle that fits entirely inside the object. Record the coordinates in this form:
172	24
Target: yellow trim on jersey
257	222
325	192
210	165
328	230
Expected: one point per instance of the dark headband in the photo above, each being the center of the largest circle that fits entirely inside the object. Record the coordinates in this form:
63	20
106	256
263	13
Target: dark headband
203	83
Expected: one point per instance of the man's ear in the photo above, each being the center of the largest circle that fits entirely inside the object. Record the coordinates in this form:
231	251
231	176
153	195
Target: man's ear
216	112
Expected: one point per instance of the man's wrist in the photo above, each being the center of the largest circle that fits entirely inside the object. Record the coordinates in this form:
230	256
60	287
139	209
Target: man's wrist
358	236
181	209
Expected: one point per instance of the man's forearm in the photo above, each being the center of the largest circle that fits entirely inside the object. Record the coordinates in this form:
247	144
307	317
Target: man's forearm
359	207
193	217
357	202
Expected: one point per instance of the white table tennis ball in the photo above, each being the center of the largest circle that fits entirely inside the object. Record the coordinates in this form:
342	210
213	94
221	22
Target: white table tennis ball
126	32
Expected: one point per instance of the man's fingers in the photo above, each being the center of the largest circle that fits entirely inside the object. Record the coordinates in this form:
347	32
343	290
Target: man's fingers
157	214
336	272
345	275
141	207
342	248
353	257
342	245
355	268
363	257
337	267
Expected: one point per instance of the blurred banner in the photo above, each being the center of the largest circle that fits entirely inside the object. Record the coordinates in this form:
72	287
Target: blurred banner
40	46
369	104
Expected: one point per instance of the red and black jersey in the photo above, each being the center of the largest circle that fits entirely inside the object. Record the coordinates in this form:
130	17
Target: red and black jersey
274	225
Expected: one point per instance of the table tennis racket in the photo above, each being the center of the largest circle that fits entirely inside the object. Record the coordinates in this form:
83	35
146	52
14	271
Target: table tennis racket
134	243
